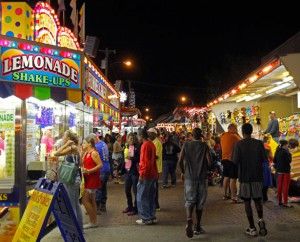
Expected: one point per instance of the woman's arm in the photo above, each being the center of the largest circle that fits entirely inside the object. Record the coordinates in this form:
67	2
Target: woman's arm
66	150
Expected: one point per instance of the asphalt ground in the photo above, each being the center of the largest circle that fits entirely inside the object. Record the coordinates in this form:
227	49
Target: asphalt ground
222	220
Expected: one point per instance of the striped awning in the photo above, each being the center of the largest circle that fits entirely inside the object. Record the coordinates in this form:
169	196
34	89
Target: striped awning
24	91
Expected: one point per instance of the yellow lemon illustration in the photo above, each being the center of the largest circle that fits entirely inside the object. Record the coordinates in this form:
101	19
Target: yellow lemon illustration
71	63
10	53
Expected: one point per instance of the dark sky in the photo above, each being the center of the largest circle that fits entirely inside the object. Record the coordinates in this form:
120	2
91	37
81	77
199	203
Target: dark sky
196	48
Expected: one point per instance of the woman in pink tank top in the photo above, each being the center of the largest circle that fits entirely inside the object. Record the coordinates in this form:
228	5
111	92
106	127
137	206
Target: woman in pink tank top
91	171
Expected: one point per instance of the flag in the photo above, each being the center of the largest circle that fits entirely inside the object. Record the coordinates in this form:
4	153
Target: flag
74	10
76	25
61	5
82	23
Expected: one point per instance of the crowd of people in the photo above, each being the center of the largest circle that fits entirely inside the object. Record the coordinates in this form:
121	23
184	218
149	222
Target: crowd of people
139	160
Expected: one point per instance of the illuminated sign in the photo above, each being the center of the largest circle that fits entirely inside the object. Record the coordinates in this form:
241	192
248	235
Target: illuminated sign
95	84
66	38
46	24
39	65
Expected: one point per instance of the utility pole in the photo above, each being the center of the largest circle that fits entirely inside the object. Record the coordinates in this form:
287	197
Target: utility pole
106	52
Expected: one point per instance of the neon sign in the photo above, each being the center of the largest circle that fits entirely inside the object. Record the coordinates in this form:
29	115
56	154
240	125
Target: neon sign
95	85
46	24
66	38
31	64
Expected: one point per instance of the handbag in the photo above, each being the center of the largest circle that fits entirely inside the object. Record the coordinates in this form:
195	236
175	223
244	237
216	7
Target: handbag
67	171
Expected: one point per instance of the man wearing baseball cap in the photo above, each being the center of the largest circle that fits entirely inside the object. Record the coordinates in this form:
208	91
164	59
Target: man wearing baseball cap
152	132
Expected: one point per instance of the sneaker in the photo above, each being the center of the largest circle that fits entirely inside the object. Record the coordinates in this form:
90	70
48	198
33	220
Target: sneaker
251	231
164	186
189	228
262	228
157	209
90	226
198	230
173	185
144	222
140	222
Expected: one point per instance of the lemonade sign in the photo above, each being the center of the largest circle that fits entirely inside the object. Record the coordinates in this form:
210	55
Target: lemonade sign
33	67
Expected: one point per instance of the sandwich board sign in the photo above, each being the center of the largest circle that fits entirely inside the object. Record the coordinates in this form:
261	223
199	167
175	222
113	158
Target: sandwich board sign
48	197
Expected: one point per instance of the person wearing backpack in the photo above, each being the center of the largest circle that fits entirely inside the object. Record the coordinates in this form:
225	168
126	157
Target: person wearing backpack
71	154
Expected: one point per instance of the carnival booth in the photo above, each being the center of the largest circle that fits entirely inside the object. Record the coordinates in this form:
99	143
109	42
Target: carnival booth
130	119
274	86
132	124
41	95
187	118
100	95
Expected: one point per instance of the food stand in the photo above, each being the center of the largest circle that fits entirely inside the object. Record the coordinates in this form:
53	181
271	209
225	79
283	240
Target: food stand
100	95
41	95
130	119
187	118
274	86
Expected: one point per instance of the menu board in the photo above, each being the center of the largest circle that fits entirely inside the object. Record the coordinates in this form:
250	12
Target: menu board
7	143
32	221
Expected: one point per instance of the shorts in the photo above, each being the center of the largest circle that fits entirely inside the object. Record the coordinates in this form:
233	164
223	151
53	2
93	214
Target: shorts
230	169
251	190
195	193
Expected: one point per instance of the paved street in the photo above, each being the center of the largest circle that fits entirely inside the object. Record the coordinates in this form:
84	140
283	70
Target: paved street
222	220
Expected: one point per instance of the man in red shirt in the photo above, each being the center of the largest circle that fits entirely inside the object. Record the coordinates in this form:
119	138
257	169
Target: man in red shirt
146	188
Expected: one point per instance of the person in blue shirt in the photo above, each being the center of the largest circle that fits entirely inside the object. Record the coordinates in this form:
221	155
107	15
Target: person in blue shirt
101	194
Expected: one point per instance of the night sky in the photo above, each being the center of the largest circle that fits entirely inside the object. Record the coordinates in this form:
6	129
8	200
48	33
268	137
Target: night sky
196	48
